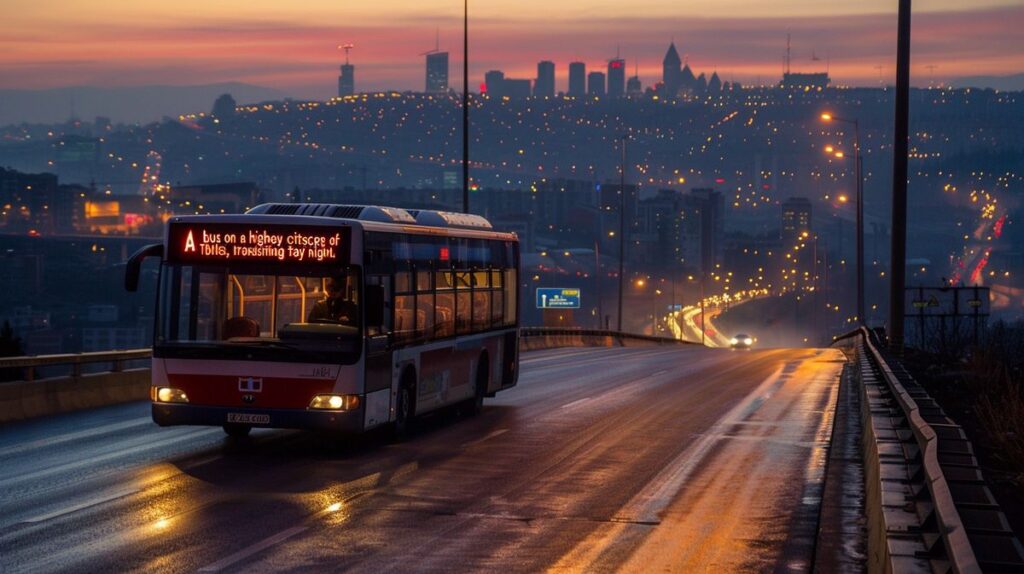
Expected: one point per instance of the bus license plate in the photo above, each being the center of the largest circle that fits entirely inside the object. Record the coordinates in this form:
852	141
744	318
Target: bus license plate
249	419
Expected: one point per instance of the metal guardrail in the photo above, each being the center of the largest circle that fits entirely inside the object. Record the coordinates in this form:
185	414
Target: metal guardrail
528	332
961	525
75	361
117	359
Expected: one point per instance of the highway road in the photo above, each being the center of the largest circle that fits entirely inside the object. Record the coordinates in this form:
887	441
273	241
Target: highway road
638	459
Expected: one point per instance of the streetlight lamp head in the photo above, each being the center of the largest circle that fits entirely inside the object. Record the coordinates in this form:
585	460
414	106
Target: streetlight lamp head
840	155
829	149
826	117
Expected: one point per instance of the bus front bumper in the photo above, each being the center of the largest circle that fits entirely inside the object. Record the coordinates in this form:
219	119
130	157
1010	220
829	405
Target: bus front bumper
173	414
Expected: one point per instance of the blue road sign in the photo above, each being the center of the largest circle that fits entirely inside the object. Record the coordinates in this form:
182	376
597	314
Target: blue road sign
558	298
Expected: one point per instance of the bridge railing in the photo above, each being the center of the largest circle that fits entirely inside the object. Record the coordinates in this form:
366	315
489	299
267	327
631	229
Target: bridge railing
75	364
51	384
927	502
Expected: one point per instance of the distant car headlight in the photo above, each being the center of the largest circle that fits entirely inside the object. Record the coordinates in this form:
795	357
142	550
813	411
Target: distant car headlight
734	341
748	341
167	395
335	402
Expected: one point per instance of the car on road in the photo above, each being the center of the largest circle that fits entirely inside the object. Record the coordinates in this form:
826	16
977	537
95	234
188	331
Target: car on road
741	341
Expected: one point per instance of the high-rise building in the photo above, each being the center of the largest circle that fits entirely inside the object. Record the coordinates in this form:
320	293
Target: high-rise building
347	80
544	87
577	79
796	217
634	88
616	78
711	206
494	83
670	67
437	72
516	88
595	84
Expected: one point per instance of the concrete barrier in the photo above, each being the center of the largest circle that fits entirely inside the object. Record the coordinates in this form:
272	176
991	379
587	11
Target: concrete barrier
28	399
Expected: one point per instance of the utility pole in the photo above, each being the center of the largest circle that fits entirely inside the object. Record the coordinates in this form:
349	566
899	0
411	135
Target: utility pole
465	106
901	131
622	228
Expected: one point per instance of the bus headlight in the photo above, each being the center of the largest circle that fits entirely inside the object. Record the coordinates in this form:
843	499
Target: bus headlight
168	395
335	402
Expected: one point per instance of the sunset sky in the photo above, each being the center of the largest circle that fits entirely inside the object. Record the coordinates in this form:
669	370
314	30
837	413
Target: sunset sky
292	46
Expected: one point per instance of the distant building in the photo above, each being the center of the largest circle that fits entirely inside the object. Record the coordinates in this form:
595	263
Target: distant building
545	85
616	78
437	73
715	83
215	198
494	83
595	84
224	107
516	88
812	81
796	217
670	70
634	88
711	208
577	79
347	80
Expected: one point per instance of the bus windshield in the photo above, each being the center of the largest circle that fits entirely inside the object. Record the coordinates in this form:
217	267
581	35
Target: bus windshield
288	314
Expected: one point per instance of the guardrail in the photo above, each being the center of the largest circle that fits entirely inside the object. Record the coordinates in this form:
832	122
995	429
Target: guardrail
597	334
53	384
919	464
75	361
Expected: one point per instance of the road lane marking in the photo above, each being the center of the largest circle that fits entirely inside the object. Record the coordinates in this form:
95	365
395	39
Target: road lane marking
255	548
488	437
576	402
64	468
644	508
60	439
81	506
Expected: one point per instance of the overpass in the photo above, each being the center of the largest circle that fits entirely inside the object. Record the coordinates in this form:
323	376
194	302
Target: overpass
631	455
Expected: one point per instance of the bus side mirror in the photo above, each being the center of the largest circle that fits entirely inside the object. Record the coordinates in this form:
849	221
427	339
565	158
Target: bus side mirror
374	305
134	266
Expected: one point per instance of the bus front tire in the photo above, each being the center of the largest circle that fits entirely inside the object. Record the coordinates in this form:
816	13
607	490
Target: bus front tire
237	431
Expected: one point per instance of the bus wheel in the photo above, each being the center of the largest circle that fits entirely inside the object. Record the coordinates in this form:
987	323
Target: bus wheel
482	378
237	430
405	408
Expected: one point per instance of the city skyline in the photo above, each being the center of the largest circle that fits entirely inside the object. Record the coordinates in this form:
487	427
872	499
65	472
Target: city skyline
299	55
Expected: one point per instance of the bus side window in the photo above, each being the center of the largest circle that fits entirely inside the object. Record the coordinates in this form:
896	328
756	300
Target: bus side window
378	305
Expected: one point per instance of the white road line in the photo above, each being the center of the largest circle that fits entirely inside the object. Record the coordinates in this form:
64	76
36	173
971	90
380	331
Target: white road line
488	437
60	439
64	468
656	495
576	402
81	506
255	548
647	504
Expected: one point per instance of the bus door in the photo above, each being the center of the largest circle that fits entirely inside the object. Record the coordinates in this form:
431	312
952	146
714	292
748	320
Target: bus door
378	350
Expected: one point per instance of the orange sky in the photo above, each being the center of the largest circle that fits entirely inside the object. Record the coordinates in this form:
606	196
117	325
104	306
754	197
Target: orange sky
292	46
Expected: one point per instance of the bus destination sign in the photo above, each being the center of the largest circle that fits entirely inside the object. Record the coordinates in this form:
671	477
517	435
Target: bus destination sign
213	242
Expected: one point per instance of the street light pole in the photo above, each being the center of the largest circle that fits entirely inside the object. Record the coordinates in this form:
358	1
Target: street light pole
858	169
901	133
465	106
622	228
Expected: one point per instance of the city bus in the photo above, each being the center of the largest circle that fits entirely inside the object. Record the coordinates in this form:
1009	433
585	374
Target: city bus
329	317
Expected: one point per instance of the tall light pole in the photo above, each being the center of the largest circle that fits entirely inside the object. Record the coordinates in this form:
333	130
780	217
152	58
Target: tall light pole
622	227
465	106
859	174
901	134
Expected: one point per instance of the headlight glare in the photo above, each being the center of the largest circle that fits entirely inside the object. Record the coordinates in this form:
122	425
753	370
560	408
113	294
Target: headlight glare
169	395
335	402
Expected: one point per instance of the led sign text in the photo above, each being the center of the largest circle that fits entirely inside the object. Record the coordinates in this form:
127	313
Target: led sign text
220	242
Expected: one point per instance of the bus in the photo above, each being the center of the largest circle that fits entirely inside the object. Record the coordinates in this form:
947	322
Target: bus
338	318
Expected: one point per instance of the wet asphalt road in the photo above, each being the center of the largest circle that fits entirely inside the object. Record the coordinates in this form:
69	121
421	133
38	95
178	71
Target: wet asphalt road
625	459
